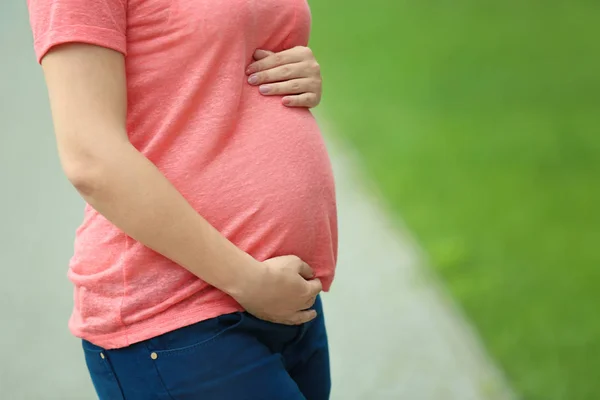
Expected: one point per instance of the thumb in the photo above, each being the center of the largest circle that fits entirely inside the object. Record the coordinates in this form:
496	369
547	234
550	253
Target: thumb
315	286
305	271
260	54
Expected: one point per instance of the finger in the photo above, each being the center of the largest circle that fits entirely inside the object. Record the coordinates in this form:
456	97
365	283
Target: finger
261	54
281	73
310	303
305	271
302	100
294	86
315	287
289	56
303	317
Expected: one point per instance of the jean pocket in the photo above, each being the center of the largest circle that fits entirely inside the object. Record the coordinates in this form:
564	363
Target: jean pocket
101	372
190	358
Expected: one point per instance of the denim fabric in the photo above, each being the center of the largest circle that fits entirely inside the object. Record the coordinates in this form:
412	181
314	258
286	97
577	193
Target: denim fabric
231	357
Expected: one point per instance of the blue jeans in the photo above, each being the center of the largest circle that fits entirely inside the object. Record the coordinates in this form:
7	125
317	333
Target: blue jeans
231	357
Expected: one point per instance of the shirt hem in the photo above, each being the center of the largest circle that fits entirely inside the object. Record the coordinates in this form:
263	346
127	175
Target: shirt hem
158	325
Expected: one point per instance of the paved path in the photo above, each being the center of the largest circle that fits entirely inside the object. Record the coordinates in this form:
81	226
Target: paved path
393	336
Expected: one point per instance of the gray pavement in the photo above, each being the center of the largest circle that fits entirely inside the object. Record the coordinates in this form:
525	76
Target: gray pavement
393	332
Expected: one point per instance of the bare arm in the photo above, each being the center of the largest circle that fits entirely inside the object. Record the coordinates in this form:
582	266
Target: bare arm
88	98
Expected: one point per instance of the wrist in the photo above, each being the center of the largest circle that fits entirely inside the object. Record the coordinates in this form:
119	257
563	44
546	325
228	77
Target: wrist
247	274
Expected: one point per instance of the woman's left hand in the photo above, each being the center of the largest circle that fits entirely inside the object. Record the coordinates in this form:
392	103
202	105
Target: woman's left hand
294	74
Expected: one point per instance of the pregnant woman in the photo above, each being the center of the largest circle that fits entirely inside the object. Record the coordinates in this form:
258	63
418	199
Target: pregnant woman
210	226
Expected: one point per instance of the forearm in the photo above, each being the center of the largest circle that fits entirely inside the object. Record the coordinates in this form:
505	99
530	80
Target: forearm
132	193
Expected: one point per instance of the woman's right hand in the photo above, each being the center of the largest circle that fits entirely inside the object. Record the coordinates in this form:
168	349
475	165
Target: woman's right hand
283	291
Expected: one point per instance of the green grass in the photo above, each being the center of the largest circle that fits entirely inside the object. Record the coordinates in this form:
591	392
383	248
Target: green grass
480	121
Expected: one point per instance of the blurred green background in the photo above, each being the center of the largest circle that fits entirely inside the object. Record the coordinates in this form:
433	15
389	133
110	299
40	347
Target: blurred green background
479	121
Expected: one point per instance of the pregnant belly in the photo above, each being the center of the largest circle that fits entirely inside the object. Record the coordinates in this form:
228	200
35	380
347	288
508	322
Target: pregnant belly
272	192
265	183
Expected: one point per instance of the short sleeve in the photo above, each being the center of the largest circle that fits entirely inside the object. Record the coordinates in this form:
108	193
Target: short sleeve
98	22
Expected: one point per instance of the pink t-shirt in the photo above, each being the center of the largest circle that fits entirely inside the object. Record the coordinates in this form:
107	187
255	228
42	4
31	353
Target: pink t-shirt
256	170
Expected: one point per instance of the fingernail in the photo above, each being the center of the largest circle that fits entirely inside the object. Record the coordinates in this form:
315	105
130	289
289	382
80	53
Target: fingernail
264	89
253	80
287	101
252	68
261	53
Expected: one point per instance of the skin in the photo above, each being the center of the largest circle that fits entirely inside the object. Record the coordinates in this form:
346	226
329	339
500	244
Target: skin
88	98
294	74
